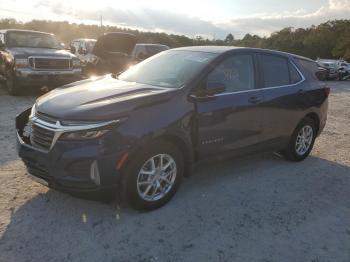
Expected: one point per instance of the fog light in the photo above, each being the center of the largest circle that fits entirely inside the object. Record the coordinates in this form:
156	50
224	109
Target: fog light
94	173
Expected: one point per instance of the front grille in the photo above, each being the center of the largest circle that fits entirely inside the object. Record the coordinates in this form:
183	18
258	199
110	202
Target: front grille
50	63
41	138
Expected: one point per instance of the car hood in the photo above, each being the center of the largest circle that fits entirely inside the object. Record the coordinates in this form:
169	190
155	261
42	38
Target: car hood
28	51
104	98
115	43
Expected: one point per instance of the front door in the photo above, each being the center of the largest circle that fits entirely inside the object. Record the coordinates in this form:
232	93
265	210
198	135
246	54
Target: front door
232	119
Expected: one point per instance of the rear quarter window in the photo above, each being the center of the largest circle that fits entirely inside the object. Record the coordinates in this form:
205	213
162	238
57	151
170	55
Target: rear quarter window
311	69
295	77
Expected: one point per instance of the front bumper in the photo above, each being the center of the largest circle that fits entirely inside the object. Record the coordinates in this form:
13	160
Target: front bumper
31	77
67	166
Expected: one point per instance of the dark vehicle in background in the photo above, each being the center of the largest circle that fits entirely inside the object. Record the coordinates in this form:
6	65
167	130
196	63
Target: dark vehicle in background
139	133
143	51
111	53
323	73
344	70
114	53
31	58
331	67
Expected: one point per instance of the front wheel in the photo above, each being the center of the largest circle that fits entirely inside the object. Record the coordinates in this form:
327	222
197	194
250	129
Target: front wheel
302	141
153	176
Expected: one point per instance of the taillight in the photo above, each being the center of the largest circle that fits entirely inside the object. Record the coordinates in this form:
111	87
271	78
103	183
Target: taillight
327	90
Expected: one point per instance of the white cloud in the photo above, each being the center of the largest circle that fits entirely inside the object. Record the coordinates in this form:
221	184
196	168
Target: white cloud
339	4
264	24
154	19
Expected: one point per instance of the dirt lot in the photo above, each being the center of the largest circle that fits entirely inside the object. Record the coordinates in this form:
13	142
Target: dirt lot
258	208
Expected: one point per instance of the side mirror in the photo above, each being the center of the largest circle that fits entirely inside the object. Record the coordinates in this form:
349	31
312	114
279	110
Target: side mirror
208	90
62	45
213	88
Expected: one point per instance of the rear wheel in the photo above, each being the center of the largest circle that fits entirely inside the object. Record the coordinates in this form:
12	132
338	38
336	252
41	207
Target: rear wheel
153	176
302	141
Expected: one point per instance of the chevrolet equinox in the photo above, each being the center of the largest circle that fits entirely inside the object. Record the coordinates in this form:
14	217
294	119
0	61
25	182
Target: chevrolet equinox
138	133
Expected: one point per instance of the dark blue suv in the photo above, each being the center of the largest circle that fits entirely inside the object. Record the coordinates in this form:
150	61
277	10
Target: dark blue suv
140	132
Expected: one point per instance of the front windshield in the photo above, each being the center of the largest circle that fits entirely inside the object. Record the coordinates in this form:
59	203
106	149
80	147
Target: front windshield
171	69
32	39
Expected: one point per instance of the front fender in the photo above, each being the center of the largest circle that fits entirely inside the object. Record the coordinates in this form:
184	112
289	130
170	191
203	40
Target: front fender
171	120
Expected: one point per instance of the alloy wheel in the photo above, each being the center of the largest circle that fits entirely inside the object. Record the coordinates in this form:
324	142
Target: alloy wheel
304	140
156	177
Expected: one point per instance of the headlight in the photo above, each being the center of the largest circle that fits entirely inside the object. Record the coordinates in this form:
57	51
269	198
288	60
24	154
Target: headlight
84	135
76	63
21	62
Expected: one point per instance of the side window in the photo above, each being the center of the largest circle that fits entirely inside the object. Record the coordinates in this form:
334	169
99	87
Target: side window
275	70
141	52
138	50
235	72
295	77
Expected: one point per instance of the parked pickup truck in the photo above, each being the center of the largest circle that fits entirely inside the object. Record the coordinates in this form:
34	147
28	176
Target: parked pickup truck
31	58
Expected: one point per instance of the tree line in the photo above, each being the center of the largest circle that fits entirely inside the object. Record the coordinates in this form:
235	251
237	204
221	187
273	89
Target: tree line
327	40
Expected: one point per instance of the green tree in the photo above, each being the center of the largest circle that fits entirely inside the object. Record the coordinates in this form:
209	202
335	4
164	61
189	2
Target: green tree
229	39
327	40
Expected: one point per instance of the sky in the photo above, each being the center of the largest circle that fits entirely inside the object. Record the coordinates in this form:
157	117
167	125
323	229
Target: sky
207	18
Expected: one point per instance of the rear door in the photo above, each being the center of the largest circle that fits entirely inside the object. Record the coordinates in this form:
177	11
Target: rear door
284	89
232	119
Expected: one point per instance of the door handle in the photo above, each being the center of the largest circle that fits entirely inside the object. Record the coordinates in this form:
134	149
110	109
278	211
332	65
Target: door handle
301	90
254	99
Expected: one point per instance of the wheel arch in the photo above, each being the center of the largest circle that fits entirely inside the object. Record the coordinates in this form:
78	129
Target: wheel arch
315	118
185	148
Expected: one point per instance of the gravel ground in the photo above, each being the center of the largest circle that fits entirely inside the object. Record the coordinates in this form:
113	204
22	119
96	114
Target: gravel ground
257	208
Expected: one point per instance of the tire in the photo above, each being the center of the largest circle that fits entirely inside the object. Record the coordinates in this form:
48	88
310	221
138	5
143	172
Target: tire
11	85
135	182
295	150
